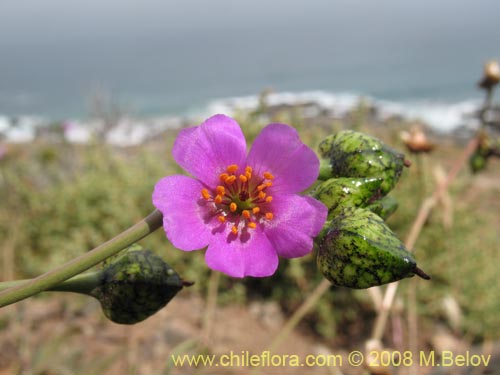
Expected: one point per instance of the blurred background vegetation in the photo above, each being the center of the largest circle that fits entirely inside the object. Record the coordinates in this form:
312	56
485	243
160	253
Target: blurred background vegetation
59	200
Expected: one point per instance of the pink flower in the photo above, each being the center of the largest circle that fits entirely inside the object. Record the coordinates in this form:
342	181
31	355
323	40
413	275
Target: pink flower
245	208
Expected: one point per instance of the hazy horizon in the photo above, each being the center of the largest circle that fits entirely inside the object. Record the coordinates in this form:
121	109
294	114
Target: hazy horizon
167	56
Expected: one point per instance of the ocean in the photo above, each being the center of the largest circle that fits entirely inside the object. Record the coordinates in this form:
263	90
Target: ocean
421	59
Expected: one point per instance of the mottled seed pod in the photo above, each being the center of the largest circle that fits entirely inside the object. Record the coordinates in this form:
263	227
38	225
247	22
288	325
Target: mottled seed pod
354	154
135	286
337	193
359	251
384	207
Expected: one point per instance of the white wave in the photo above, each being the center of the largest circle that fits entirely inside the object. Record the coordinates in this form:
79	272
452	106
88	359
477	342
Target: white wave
341	102
442	116
21	129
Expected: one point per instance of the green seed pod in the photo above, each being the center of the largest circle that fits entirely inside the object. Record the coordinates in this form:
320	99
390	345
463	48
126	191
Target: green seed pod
135	286
359	251
337	193
354	154
384	207
477	162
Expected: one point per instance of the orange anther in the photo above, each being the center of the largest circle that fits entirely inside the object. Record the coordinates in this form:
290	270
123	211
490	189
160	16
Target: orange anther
261	195
248	172
256	210
234	230
268	183
221	218
268	175
269	199
205	194
221	190
233	207
269	215
245	214
243	178
232	168
218	199
223	177
230	180
252	225
261	187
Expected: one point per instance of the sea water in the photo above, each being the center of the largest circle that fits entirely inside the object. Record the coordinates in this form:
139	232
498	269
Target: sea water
421	59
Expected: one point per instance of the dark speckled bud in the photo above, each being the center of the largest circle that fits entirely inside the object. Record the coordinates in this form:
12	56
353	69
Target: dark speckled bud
354	154
337	193
135	286
357	250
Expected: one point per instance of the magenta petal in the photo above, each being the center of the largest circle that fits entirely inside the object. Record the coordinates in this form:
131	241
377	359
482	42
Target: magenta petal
279	150
255	257
177	197
297	220
206	150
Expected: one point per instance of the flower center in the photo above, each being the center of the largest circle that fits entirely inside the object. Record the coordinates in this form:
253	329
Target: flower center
241	200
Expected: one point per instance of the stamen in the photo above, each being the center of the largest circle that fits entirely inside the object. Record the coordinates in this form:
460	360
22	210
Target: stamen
221	190
221	218
205	194
234	229
268	183
243	178
261	195
269	215
268	176
218	199
230	180
252	225
233	207
261	187
256	210
248	172
223	177
232	168
269	199
245	214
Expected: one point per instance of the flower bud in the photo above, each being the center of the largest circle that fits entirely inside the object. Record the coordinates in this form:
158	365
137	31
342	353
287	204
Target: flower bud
491	75
353	154
135	286
359	251
337	193
416	140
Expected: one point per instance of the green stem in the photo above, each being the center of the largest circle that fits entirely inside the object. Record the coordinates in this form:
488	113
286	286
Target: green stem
83	283
82	263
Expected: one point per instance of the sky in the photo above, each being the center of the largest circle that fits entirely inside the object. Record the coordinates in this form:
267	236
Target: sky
172	51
